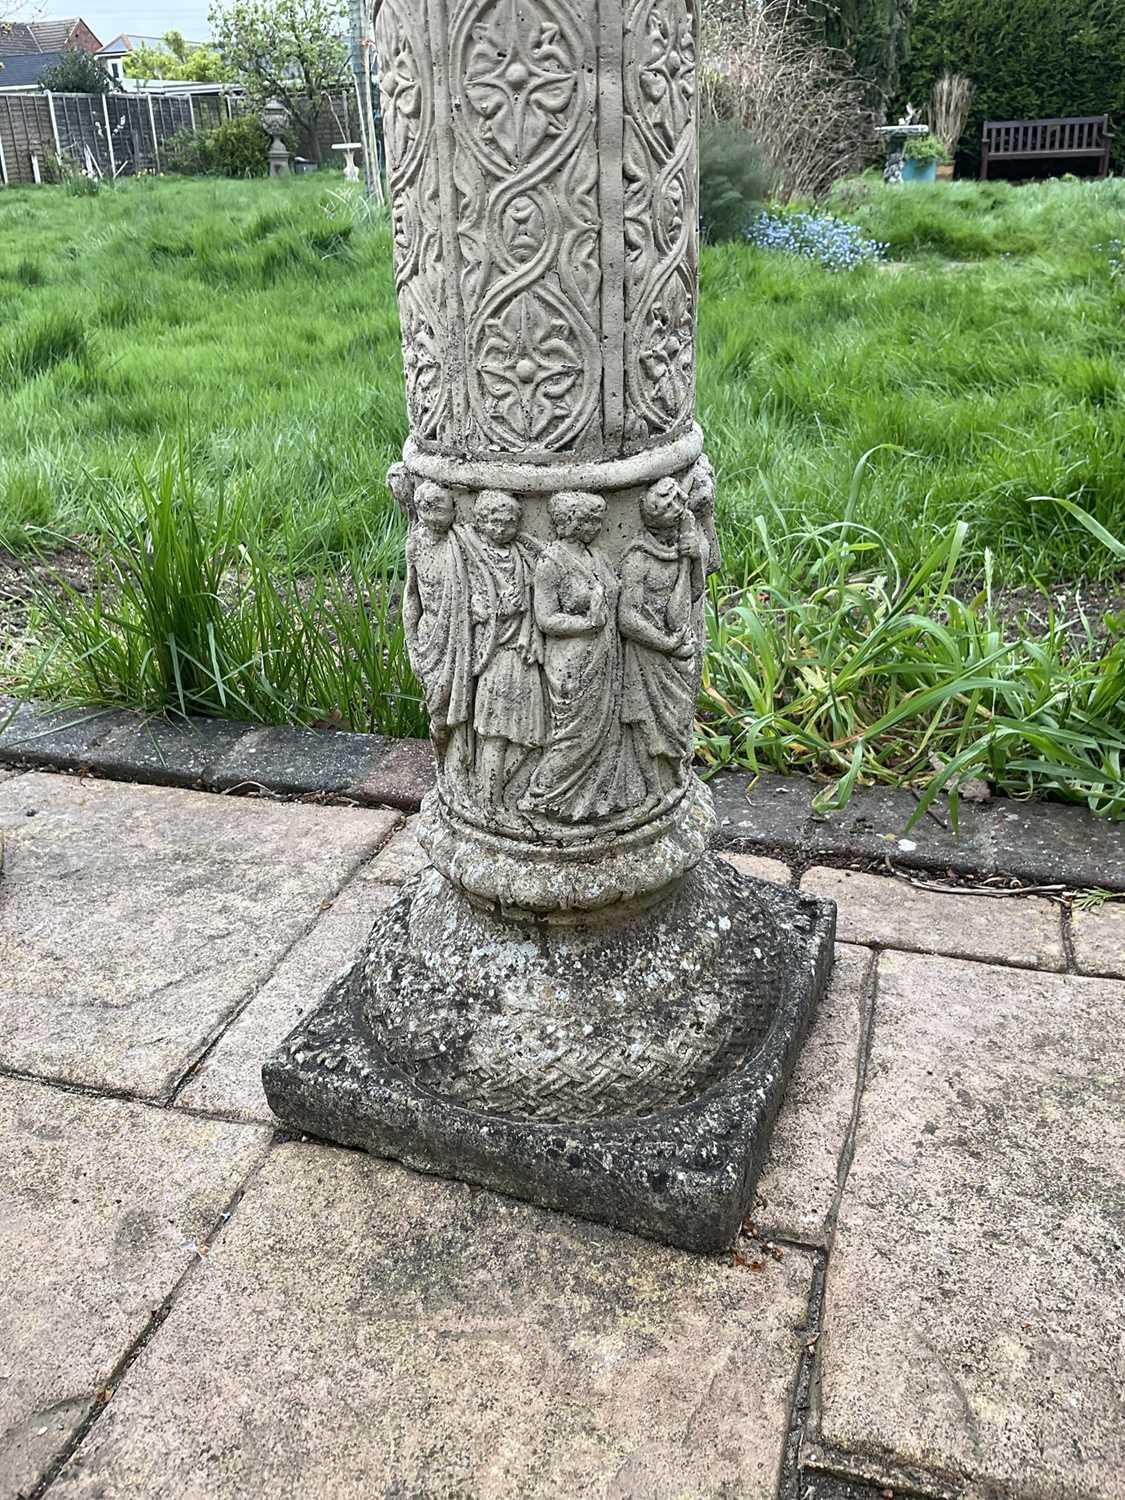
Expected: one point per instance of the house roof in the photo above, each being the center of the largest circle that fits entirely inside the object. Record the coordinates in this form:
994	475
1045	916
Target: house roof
27	68
19	38
127	41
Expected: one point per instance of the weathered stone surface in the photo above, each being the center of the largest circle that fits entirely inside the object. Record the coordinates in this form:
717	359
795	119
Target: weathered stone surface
874	823
400	777
102	1208
167	752
359	1331
770	810
561	535
1099	939
1025	930
229	1082
799	1182
297	760
135	918
758	867
628	1073
1044	842
63	737
400	858
975	1298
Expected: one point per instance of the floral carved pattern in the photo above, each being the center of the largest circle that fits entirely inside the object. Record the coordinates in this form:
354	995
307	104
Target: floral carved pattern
415	214
525	167
661	253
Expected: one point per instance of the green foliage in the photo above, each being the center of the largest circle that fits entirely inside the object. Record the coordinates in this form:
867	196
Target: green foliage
176	60
291	50
832	658
926	148
189	613
76	73
236	148
733	181
260	316
1029	59
874	33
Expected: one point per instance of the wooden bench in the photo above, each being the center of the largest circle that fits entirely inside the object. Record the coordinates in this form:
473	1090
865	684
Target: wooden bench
1083	138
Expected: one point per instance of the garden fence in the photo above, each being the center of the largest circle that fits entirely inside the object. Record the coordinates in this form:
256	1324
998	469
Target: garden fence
121	134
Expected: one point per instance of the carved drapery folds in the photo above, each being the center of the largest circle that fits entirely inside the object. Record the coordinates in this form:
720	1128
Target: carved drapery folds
542	165
560	670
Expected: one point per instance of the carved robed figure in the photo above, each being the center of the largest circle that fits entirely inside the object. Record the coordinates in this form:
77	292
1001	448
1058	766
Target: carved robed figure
577	1003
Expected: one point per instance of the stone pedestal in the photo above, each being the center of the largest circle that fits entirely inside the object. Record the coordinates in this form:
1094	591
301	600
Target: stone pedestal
274	119
578	1004
894	139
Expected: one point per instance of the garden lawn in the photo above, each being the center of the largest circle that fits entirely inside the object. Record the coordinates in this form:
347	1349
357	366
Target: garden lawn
251	328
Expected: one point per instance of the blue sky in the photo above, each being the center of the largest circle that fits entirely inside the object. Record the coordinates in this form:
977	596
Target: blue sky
149	17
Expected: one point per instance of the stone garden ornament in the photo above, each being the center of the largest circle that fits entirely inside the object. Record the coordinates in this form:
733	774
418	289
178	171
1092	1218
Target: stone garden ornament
578	1003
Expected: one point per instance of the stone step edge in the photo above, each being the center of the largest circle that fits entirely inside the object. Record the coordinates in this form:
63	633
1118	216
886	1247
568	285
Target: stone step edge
1036	843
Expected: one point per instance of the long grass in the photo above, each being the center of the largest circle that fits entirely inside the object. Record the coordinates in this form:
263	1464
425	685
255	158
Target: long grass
830	658
261	317
188	614
203	379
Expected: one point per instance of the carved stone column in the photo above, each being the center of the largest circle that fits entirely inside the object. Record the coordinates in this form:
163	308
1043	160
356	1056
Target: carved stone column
577	1004
542	164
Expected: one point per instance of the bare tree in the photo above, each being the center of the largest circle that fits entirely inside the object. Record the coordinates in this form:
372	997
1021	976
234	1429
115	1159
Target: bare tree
800	100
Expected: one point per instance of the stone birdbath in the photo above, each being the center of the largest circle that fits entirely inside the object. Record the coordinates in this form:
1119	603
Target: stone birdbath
351	170
895	138
579	1003
274	118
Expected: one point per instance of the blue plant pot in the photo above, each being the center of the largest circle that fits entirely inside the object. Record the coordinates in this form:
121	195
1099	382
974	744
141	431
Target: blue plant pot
919	171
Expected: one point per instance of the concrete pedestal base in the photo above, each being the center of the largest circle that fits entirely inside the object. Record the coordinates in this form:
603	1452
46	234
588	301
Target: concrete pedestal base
626	1072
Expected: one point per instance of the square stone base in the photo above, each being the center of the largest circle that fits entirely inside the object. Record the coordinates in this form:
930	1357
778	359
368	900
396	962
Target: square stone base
684	1174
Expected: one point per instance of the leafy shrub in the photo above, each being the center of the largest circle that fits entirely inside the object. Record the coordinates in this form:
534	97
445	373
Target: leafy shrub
76	72
926	148
1029	59
830	242
236	148
733	181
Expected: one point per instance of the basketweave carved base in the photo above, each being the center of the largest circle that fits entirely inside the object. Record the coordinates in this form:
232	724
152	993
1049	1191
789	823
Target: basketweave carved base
627	1072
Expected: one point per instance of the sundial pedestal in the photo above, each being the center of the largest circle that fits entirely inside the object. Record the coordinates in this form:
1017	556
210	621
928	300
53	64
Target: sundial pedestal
577	1004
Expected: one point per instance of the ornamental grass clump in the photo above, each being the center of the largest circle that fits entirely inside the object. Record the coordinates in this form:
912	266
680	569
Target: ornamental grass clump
830	242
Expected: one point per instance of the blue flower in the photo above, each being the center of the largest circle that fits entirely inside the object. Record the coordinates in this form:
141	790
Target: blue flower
822	238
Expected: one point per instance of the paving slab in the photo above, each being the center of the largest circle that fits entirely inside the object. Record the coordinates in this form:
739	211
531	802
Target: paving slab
168	752
297	760
798	1187
975	1298
134	919
360	1330
874	823
229	1082
1044	842
761	810
64	737
759	867
103	1206
1023	930
401	857
400	777
1099	939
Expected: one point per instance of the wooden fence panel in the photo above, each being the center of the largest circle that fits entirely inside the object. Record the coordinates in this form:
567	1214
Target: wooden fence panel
25	131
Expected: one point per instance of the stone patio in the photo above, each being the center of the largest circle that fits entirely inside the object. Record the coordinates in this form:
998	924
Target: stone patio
930	1299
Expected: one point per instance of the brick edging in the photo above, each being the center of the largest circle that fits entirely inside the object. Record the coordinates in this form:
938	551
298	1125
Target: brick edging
1035	842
